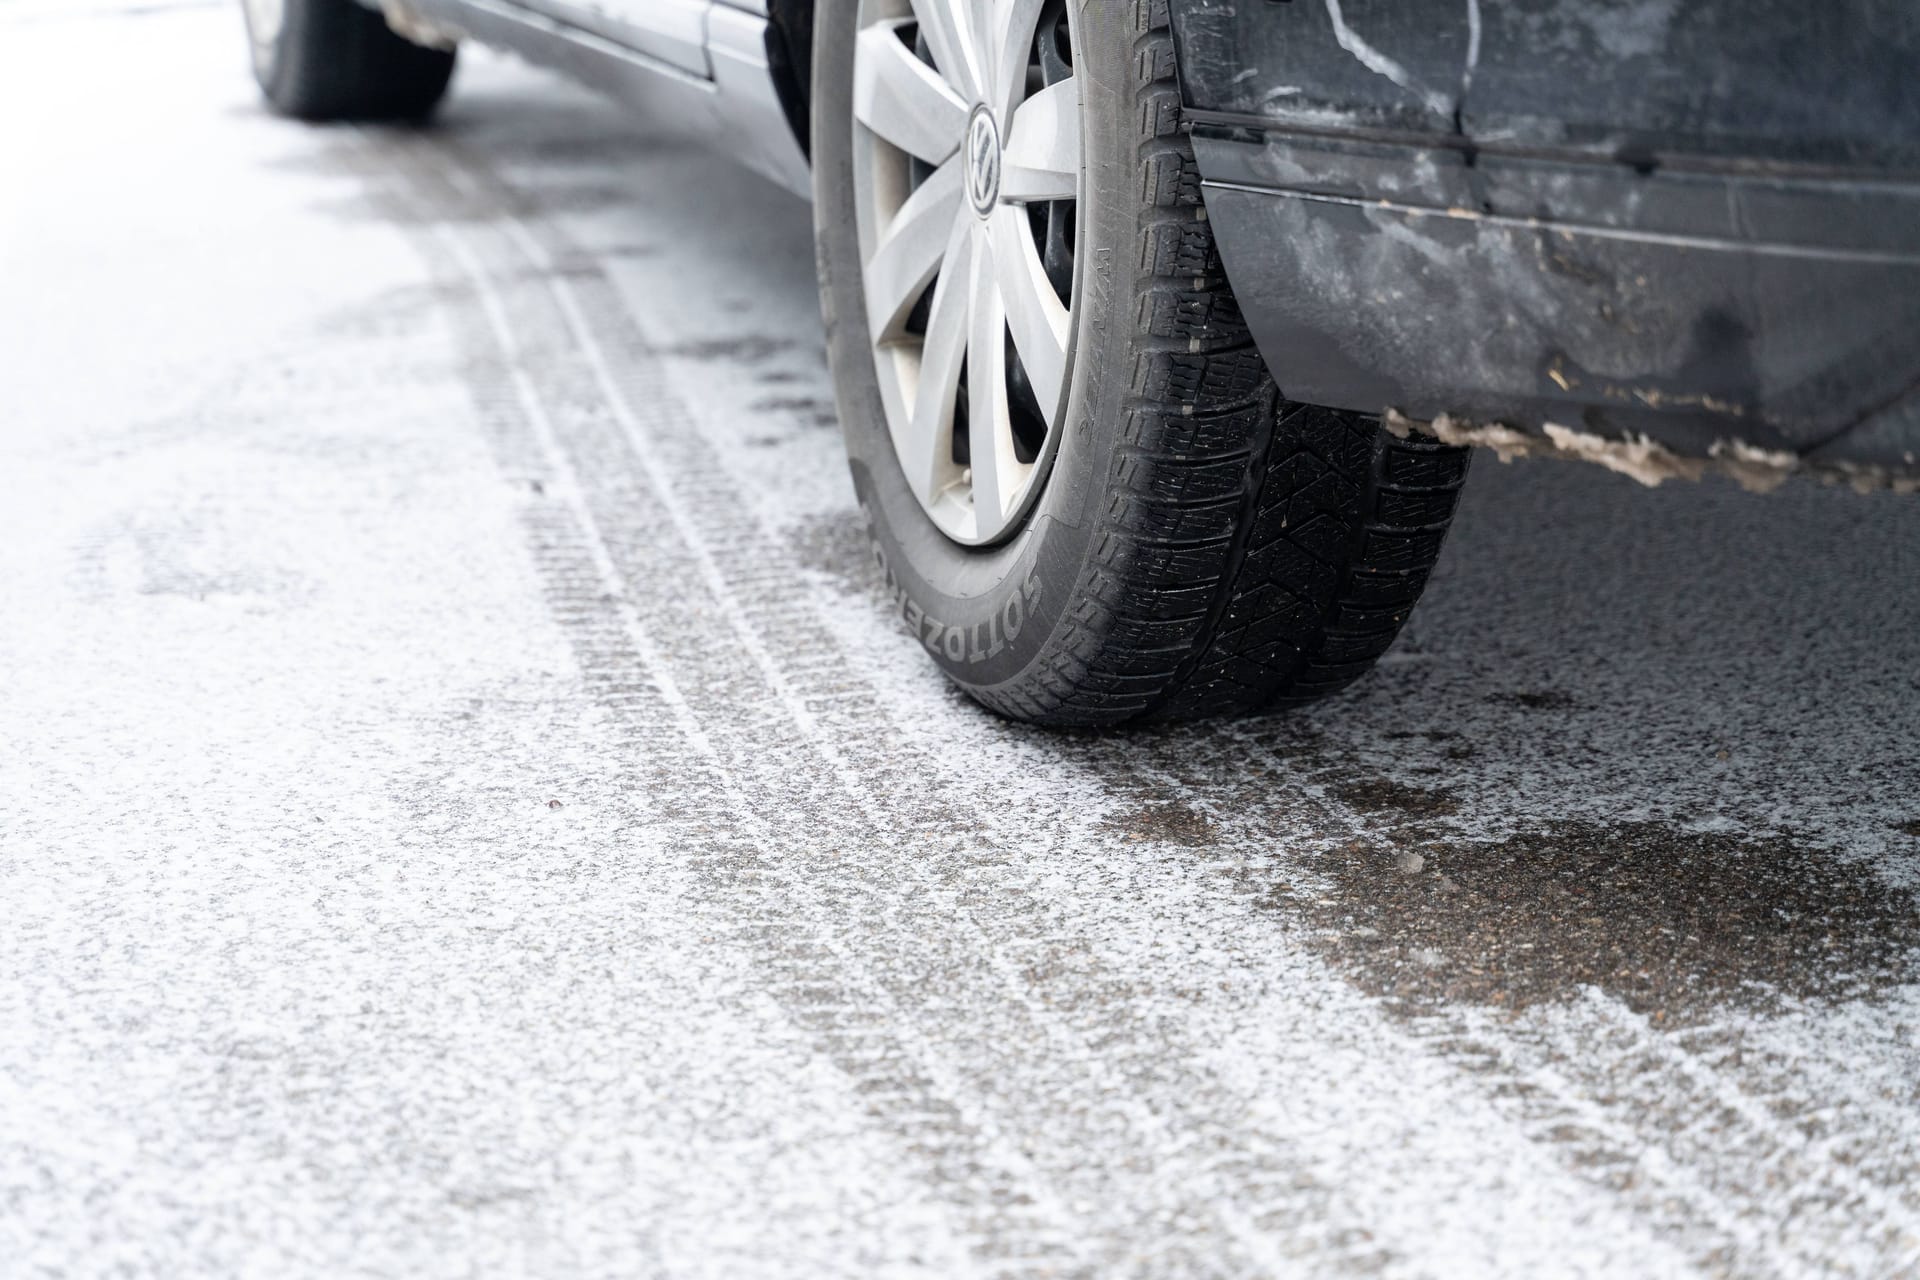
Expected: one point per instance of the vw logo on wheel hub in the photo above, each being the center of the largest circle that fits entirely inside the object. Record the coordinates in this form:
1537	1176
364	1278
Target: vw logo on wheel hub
983	161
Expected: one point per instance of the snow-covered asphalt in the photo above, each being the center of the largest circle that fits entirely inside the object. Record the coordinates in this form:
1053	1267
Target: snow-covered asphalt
465	808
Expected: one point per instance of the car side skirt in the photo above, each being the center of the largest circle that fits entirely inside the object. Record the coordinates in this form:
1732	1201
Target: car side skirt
735	109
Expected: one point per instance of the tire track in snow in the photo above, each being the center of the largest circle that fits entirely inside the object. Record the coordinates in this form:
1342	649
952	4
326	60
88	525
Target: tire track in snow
1719	1124
1558	1110
1620	1100
781	610
1625	1102
747	893
752	747
1721	1221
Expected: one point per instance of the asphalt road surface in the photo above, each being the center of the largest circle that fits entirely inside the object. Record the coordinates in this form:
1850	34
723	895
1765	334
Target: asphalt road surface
465	807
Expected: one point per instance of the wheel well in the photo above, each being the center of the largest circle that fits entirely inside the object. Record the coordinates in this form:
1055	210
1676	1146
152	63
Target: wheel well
790	59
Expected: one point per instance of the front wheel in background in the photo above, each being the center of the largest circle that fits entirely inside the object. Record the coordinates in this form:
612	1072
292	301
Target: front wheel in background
1090	500
339	60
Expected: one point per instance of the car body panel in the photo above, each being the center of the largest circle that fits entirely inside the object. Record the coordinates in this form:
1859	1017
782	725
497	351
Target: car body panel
636	52
1769	80
1699	224
1692	307
674	31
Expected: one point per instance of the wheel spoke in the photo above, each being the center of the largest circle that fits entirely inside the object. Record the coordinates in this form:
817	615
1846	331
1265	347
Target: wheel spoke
925	440
1042	158
1007	42
904	100
911	249
1034	313
947	26
996	470
992	333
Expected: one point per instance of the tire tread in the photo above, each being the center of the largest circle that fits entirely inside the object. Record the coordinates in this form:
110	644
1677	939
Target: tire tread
339	60
1253	553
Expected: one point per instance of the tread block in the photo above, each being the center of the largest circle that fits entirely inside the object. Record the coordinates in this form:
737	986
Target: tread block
1415	508
1372	589
1198	480
1160	111
1169	180
1391	549
1180	249
1220	378
1181	523
1181	569
1341	649
1414	466
1324	534
1185	315
1189	434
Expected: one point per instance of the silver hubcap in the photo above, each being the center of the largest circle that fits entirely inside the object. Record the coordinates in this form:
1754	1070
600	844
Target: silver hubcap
967	177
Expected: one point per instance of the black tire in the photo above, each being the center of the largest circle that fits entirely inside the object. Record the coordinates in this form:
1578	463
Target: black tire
1202	546
339	60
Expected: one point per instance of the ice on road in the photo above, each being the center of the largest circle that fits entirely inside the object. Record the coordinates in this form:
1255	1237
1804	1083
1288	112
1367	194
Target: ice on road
465	807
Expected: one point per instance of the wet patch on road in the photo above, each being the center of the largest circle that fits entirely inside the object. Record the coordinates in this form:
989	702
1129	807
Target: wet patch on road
1167	820
1675	924
1386	797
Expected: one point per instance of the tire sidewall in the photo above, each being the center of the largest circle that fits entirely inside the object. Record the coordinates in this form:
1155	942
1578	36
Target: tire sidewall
990	616
266	53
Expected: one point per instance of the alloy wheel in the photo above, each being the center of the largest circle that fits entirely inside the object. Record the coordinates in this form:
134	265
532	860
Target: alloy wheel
967	182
